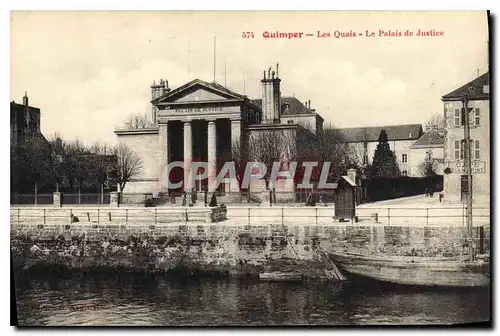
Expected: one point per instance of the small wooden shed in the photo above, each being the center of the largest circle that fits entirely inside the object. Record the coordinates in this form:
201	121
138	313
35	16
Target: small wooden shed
345	198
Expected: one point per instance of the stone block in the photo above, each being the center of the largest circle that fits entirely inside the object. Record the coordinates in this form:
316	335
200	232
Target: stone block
114	199
57	199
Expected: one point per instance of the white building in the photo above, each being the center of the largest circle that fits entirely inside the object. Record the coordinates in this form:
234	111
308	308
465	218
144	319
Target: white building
455	178
428	149
364	140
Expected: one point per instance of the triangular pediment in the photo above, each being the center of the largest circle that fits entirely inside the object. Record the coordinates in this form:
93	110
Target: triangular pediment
198	91
200	94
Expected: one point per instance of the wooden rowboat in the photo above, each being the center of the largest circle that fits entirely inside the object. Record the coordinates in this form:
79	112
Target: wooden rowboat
281	276
419	271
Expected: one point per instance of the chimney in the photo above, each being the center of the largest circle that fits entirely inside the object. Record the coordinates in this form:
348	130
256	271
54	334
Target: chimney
309	104
271	97
155	93
25	99
352	174
277	68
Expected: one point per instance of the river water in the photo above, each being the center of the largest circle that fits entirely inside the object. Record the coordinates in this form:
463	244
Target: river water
132	300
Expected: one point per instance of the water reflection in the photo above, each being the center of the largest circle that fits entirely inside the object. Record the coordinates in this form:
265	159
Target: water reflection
144	300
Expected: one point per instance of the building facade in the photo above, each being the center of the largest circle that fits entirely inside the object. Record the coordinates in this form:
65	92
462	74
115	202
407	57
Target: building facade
24	122
363	141
31	153
427	153
206	122
477	93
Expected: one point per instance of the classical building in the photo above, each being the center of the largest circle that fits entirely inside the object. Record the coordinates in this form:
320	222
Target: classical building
477	93
364	140
206	122
427	151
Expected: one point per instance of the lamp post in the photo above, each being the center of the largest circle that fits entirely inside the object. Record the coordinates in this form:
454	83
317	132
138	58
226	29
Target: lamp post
467	158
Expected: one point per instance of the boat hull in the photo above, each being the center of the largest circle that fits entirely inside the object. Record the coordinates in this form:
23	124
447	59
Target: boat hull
416	271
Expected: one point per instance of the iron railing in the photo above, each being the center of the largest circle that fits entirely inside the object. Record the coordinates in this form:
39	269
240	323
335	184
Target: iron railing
262	215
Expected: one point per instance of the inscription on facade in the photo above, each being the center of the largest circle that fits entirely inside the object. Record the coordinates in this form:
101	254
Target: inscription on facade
195	110
459	167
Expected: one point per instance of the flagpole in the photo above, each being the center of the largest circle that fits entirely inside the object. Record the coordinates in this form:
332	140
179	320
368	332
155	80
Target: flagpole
214	55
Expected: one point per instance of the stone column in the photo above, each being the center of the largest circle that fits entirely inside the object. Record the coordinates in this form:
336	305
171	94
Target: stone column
236	140
164	156
188	152
211	154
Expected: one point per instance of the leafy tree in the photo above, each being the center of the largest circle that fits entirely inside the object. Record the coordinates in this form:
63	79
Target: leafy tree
384	161
30	164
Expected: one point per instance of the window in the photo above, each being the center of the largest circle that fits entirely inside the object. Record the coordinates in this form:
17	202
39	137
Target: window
459	155
486	89
457	118
405	173
404	158
476	150
477	117
290	121
365	159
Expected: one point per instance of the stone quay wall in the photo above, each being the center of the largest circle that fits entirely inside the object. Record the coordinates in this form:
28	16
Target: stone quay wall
223	248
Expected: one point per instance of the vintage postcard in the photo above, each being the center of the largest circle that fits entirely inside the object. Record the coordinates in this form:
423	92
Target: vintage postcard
210	168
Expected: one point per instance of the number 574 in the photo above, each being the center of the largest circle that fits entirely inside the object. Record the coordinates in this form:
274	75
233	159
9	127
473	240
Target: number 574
247	35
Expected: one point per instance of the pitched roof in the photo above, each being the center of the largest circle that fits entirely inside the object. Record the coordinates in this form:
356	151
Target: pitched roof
295	106
345	178
429	139
370	134
474	89
214	86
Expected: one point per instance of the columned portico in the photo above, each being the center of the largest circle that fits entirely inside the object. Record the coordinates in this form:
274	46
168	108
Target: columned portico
188	151
236	140
164	157
212	155
236	132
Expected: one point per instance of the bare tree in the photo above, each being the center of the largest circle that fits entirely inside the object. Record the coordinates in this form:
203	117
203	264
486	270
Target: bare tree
240	155
269	146
128	165
138	121
75	164
428	168
101	163
100	148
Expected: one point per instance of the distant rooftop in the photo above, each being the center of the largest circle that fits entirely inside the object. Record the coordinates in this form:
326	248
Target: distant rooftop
371	134
295	106
430	138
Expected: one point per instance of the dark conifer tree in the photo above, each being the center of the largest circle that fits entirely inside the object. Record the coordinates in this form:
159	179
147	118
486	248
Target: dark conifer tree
384	161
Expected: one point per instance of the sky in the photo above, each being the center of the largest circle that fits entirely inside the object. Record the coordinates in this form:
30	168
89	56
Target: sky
88	71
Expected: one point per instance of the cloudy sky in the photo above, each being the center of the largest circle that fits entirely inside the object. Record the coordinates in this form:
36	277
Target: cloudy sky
88	71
